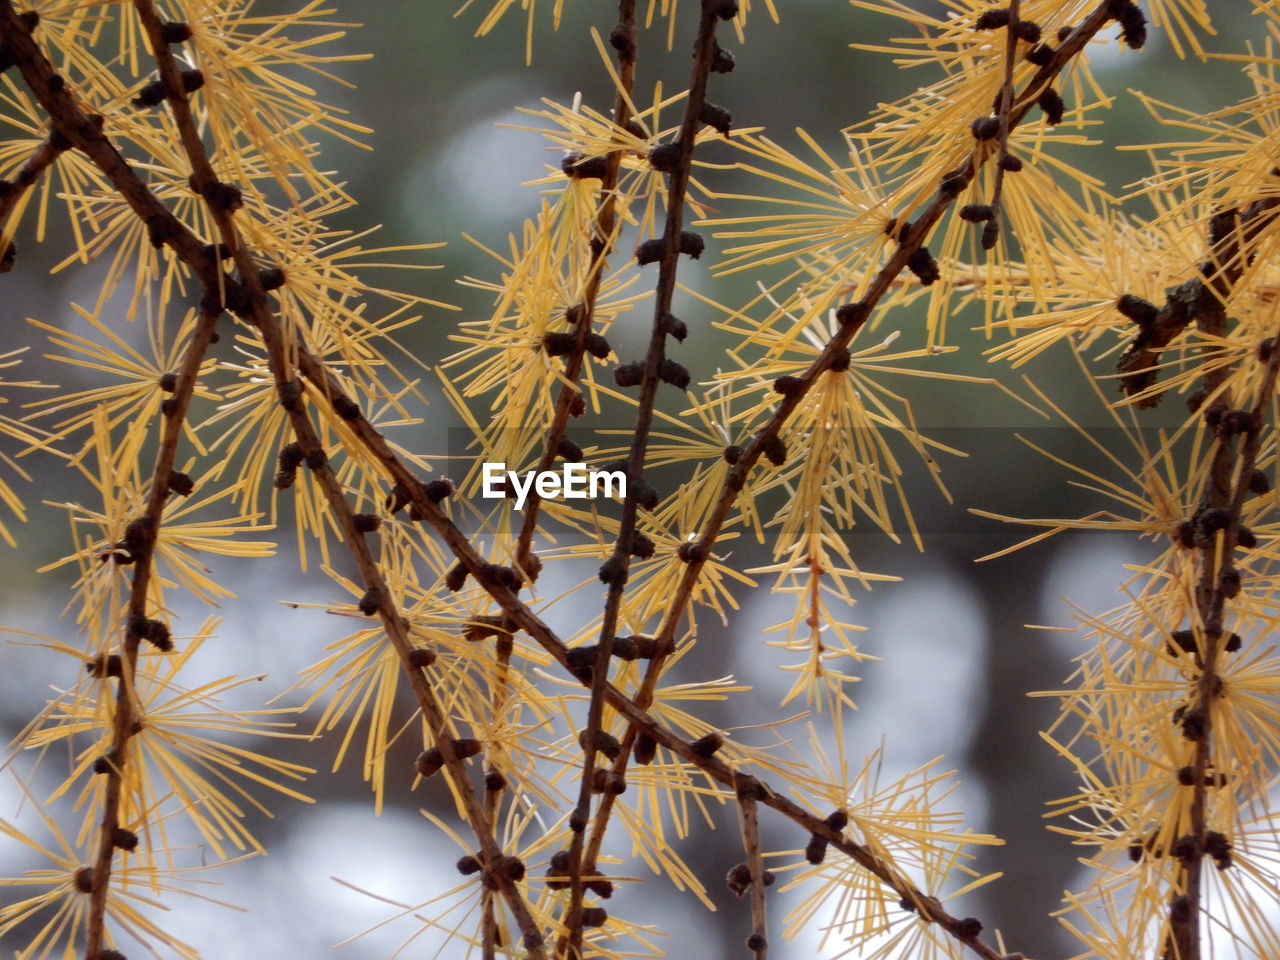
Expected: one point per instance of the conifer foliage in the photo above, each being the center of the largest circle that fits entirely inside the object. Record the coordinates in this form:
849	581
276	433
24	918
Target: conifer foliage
182	145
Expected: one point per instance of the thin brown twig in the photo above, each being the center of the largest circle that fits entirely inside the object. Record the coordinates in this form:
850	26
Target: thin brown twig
637	716
12	191
72	122
758	942
1230	475
618	564
83	134
604	235
856	315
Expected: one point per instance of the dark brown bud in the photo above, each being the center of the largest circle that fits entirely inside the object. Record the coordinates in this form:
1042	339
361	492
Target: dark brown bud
558	344
775	451
192	80
596	345
1229	582
724	9
985	128
992	19
605	781
977	212
124	839
290	394
103	665
1051	103
651	251
716	117
1140	311
437	490
512	868
605	742
181	483
646	497
155	632
271	278
1133	23
641	546
597	916
623	39
664	158
692	551
628	374
558	867
169	382
922	264
591	168
175	31
706	747
968	928
482	626
371	601
852	314
612	572
692	244
455	577
757	942
1195	723
151	94
738	879
722	60
1041	55
788	386
1239	421
1184	640
420	658
1027	31
732	453
366	522
1010	163
990	234
84	879
645	749
468	865
1219	847
582	662
569	451
674	326
816	850
674	373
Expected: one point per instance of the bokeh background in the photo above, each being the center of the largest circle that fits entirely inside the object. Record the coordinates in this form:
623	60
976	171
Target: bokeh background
957	658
